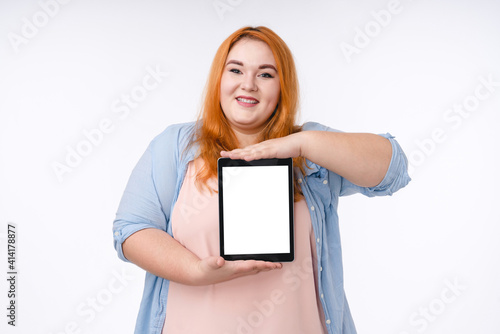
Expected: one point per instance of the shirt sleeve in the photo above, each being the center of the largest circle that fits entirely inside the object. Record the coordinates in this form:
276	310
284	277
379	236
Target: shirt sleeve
395	178
152	178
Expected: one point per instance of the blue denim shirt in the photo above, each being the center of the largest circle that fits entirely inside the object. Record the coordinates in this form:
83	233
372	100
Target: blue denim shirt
154	186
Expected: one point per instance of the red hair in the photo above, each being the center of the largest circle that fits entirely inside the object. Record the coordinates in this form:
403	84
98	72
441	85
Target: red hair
214	133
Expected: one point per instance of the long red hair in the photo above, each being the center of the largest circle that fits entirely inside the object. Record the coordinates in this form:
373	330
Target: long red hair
214	133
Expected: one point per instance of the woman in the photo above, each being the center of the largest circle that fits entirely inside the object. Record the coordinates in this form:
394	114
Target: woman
167	222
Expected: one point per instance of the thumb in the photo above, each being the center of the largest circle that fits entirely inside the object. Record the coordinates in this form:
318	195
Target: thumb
215	262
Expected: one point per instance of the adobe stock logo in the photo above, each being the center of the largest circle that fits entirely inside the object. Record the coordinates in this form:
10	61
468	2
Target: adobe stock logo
223	6
262	310
373	28
94	304
455	117
30	28
121	107
428	313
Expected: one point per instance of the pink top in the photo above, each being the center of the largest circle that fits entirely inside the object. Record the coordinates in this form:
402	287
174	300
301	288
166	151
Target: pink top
278	301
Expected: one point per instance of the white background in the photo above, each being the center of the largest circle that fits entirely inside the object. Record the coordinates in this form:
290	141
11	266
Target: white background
400	253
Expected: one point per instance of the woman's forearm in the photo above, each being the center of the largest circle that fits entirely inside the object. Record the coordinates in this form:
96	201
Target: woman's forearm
156	251
362	158
159	253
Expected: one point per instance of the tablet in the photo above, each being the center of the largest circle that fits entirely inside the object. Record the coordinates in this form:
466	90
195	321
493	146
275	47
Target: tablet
256	209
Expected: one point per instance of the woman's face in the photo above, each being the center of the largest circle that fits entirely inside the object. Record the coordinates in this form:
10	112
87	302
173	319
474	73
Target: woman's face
250	86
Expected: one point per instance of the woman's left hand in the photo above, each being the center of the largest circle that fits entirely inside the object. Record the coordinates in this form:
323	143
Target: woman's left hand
284	147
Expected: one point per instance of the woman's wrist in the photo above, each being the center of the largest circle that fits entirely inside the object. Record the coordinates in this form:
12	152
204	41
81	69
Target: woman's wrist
303	139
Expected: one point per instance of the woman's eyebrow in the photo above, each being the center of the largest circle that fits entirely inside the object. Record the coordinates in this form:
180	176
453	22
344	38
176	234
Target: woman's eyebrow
264	66
261	67
236	62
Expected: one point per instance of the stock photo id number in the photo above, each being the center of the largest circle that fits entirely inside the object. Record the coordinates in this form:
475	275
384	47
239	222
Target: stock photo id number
11	274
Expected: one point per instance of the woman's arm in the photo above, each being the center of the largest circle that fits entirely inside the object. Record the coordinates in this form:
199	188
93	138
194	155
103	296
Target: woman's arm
157	252
140	224
361	158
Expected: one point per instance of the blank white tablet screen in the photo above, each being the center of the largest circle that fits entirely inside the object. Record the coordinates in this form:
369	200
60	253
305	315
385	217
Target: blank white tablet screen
256	210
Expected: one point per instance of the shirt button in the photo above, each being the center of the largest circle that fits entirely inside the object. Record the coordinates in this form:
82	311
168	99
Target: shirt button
328	322
299	180
322	296
117	233
320	268
317	240
325	181
312	207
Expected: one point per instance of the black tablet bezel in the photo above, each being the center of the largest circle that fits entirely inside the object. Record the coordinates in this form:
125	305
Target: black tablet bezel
272	257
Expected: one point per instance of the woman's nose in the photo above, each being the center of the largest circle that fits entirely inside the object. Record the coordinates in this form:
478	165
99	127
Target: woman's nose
249	83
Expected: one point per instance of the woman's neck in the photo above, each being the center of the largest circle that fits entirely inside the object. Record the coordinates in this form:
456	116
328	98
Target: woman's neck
246	139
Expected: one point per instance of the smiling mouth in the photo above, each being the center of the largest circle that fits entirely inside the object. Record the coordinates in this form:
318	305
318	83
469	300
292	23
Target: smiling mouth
247	100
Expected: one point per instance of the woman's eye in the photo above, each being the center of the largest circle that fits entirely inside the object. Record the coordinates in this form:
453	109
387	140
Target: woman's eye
266	75
234	70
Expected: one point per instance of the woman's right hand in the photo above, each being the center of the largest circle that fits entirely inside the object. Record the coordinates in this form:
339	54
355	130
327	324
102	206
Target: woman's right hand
159	253
214	269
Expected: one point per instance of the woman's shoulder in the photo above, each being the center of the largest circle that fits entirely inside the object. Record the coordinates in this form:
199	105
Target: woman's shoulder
178	130
174	139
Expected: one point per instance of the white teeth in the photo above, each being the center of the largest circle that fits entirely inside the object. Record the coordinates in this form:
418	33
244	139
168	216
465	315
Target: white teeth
246	101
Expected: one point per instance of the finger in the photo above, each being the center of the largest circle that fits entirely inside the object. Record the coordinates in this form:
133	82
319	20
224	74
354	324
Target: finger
220	261
214	262
248	153
253	265
234	154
